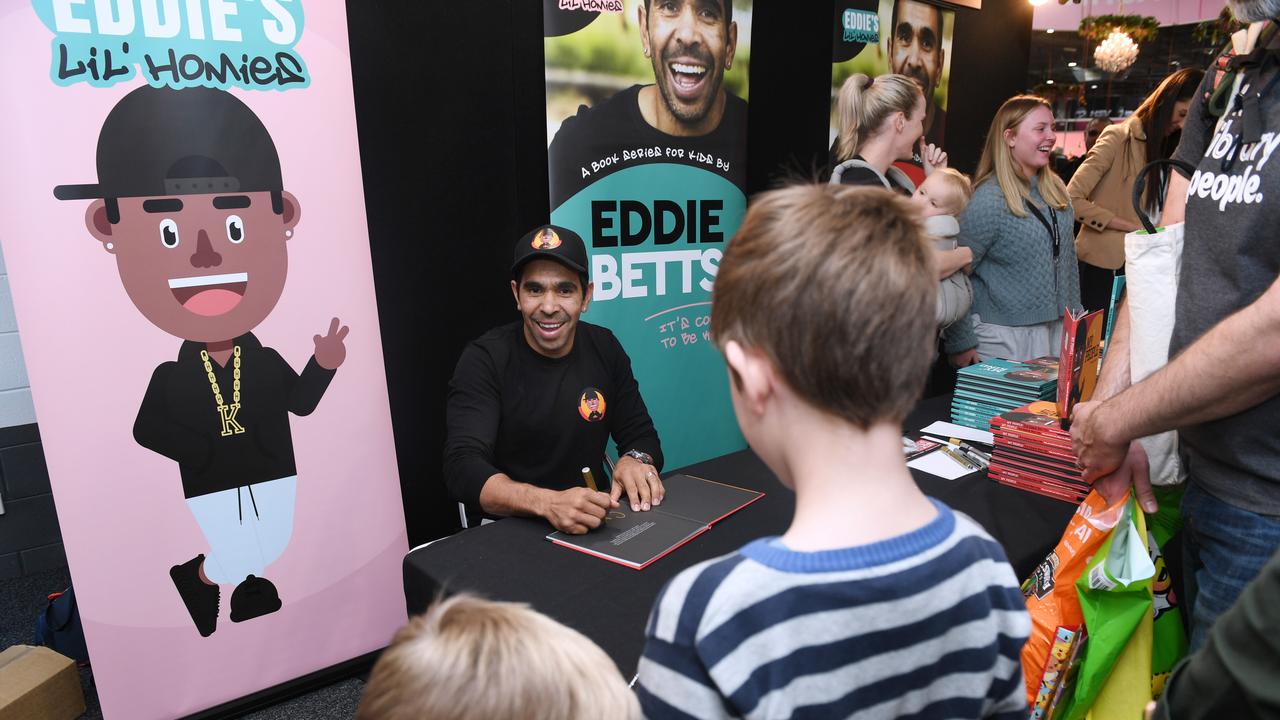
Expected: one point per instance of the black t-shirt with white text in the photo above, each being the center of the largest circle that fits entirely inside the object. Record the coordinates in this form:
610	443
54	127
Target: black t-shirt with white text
1231	255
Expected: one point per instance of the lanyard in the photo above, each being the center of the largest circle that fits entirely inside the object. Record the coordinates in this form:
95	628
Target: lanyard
1052	227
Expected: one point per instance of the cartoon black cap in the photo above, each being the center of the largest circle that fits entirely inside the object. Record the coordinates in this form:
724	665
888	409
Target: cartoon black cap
554	243
160	141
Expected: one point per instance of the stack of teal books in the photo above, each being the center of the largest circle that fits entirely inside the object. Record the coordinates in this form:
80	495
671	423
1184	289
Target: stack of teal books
996	386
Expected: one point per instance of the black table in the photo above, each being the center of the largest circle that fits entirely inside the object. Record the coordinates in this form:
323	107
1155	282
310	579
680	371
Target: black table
609	603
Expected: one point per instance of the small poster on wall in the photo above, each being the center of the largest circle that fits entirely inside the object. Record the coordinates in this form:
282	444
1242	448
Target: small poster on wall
646	127
907	37
189	259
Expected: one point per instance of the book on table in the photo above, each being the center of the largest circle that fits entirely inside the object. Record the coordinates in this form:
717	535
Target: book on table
996	385
690	506
1081	355
1032	452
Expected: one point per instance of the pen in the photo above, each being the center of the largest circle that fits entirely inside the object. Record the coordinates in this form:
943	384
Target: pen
985	456
590	479
955	454
969	451
974	457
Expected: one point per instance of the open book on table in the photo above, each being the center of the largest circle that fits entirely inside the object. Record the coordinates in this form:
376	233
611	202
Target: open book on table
635	539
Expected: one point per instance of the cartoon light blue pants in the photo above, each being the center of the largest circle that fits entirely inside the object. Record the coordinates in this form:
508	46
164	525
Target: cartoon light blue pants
246	527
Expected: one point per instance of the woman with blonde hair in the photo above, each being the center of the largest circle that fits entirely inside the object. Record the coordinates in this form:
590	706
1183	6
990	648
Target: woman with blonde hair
1102	189
881	121
1018	226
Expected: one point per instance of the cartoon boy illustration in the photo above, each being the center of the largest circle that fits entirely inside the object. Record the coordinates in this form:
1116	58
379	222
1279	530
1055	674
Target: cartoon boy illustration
191	203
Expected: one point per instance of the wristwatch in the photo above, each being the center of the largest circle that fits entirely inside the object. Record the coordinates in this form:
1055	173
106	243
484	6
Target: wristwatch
643	457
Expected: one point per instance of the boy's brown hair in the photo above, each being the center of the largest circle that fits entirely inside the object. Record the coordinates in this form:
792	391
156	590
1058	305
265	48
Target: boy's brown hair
835	285
473	659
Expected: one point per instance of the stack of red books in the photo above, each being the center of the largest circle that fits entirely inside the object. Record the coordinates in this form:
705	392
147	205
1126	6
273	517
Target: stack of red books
1033	453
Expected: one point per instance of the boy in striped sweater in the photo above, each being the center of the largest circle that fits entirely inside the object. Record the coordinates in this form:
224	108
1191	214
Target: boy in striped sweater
878	602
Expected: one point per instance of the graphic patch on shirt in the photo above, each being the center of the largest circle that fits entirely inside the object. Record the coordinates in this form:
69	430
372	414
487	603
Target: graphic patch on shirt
591	405
546	240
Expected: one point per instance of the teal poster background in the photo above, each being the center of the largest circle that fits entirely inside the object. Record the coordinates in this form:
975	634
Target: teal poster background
657	300
646	133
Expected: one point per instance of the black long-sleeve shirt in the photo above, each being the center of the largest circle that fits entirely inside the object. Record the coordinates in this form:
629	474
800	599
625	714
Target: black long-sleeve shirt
513	411
179	416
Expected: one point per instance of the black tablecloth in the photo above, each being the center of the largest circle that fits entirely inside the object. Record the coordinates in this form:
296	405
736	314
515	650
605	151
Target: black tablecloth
609	603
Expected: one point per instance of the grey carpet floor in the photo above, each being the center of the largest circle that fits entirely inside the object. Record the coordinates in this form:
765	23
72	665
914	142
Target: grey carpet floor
21	599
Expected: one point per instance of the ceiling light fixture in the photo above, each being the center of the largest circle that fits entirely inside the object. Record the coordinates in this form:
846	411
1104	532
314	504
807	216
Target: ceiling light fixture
1117	53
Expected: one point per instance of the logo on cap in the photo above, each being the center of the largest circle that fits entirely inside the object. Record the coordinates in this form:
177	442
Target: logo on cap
591	405
546	240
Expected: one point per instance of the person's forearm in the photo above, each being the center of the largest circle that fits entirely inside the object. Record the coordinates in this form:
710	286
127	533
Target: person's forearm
1175	199
1230	368
502	495
1115	376
949	262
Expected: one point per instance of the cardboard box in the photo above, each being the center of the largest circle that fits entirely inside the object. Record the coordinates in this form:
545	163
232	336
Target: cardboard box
37	683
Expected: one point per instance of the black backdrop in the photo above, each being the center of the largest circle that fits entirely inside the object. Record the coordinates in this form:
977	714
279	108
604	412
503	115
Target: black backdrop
450	105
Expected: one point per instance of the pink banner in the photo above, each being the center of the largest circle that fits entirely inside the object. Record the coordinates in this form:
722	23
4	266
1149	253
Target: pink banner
1168	12
221	454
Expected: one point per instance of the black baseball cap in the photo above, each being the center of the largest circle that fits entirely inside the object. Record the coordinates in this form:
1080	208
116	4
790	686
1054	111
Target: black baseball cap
554	243
164	142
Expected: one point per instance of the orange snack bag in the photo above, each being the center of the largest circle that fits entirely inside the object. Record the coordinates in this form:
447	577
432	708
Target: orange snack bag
1050	592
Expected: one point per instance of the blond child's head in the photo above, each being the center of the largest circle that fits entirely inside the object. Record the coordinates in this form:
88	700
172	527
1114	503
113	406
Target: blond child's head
944	192
468	658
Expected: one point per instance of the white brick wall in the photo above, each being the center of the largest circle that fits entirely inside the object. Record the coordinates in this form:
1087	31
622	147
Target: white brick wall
15	390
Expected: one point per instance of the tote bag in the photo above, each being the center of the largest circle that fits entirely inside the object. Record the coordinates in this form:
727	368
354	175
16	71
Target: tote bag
1153	262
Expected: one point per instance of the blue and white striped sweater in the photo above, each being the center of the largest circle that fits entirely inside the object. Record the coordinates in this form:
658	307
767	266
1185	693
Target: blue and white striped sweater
928	624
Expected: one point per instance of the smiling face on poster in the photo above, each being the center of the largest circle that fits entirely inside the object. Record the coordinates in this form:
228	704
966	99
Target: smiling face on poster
646	122
204	358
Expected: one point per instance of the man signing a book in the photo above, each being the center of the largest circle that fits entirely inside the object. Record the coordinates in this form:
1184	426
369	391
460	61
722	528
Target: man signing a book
532	403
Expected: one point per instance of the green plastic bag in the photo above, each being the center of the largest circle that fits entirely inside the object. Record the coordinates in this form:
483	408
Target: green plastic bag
1115	596
1169	643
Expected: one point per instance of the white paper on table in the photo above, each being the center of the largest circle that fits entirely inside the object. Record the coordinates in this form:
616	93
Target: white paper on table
940	464
951	430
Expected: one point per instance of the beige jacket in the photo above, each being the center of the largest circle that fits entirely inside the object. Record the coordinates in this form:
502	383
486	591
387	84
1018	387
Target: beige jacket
1102	188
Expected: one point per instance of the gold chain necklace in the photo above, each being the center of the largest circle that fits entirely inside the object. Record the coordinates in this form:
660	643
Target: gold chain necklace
227	413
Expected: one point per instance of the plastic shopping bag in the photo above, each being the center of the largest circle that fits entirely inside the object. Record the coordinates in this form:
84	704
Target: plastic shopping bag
1050	592
1115	599
1124	695
1169	636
